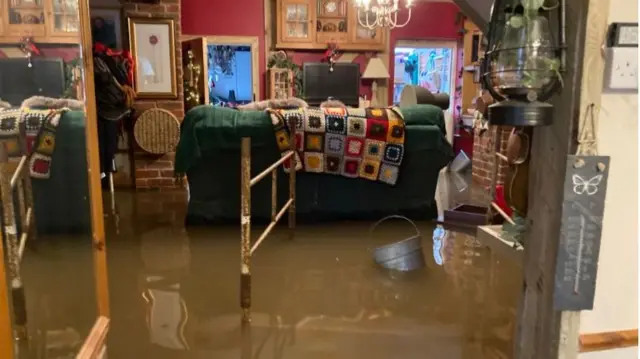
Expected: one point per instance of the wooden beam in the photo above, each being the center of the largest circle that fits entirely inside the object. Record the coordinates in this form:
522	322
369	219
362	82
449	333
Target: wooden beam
469	89
542	331
269	26
93	165
590	88
6	318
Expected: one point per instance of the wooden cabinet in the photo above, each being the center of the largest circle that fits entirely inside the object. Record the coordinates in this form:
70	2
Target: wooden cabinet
280	83
296	21
63	18
363	35
312	24
47	21
331	22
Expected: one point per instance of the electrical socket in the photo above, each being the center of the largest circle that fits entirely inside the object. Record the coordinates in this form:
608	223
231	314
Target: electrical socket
622	69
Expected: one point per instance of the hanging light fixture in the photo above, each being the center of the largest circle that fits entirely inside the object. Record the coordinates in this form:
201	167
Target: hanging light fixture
381	13
525	59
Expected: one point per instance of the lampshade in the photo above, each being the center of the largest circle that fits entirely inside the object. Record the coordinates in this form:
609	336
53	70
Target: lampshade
375	70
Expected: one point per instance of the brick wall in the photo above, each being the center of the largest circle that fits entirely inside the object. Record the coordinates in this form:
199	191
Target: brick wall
482	161
152	171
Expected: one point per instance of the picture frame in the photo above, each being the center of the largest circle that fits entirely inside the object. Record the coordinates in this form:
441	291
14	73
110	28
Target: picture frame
153	47
106	26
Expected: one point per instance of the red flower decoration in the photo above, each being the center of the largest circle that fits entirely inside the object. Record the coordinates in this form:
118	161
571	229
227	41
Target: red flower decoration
153	39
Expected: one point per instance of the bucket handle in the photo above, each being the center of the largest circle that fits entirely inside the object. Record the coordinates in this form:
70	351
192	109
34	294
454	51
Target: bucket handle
375	225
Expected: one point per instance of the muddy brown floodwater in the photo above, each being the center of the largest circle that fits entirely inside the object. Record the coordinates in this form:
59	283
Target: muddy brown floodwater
175	294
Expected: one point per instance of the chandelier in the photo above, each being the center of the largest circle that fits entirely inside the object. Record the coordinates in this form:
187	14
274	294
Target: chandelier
381	13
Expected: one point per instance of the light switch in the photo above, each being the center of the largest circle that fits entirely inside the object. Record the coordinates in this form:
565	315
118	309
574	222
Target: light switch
621	66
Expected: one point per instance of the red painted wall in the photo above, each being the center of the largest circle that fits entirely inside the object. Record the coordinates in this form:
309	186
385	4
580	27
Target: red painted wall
430	21
227	18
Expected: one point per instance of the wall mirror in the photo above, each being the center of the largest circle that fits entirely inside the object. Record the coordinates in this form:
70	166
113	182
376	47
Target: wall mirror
53	247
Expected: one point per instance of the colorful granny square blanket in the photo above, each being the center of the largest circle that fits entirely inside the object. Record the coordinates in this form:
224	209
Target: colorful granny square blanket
355	143
31	132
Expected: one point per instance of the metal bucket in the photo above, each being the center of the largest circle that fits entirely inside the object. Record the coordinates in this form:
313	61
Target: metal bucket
405	255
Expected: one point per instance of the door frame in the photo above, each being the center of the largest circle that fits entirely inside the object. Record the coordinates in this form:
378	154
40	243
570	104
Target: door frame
251	41
422	44
98	239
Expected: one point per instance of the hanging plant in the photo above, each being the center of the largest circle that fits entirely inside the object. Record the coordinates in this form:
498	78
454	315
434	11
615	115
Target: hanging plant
280	60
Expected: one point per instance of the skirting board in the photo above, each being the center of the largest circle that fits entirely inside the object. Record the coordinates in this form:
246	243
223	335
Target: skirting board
608	340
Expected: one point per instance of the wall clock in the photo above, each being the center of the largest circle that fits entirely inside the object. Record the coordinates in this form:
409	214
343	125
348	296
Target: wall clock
333	8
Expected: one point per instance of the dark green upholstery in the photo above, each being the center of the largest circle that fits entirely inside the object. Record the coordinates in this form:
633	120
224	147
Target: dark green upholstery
209	154
61	202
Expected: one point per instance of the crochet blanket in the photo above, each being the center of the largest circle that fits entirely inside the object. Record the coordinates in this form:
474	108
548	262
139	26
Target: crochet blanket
32	132
350	142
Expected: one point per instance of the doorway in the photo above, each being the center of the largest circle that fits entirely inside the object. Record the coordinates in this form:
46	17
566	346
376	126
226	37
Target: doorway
229	78
227	74
429	64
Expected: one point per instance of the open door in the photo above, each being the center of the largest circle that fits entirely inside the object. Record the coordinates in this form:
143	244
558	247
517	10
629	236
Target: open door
196	72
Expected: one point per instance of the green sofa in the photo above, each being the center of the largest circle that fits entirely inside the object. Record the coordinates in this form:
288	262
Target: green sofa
61	202
209	154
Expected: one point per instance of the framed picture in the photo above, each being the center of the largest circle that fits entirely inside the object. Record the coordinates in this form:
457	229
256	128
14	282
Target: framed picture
106	27
153	49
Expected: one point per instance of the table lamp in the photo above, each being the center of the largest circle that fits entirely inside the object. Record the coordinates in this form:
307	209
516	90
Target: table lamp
375	71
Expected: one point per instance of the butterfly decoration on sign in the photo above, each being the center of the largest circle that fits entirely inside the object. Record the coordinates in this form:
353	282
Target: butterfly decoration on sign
582	186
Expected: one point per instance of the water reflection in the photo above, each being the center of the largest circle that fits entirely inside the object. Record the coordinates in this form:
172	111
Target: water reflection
166	256
439	237
306	302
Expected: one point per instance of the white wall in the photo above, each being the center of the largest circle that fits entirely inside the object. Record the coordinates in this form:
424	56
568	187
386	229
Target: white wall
616	302
625	353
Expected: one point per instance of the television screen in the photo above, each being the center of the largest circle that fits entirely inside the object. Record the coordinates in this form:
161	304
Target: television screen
19	81
320	83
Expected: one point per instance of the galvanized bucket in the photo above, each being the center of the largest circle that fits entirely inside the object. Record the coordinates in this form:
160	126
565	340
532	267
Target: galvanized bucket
405	255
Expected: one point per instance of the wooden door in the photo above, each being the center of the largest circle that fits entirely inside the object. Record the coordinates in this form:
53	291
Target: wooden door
361	36
196	71
296	19
24	18
62	19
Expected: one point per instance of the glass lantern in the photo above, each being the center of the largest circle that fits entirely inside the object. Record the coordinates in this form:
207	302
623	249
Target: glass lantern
523	65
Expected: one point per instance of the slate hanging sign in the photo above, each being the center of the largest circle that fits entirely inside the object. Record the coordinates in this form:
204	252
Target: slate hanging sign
585	189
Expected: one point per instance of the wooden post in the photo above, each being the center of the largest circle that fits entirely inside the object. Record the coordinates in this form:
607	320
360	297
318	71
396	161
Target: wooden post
274	194
544	332
292	176
93	164
245	229
6	318
496	137
10	232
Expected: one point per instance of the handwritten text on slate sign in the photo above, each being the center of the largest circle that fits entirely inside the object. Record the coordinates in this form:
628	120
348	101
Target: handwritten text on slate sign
585	189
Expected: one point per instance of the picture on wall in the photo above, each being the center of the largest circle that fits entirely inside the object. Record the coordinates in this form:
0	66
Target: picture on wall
153	49
106	27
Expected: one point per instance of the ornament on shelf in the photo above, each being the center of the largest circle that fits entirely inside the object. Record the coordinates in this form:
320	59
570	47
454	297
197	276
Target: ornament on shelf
29	48
332	54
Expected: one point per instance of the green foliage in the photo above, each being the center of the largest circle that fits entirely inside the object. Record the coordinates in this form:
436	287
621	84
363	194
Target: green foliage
69	80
